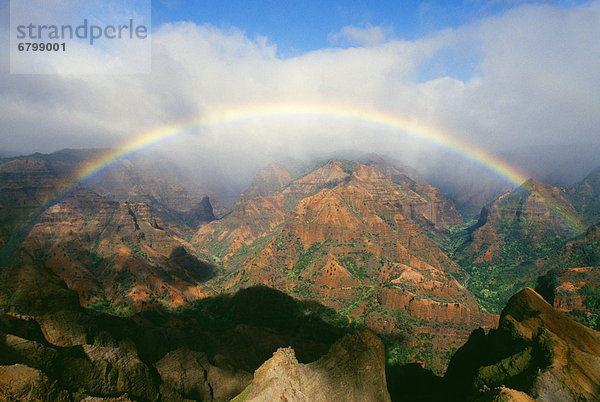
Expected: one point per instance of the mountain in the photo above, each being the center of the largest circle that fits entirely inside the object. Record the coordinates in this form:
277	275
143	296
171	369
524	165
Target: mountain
28	183
393	169
158	183
352	370
574	286
120	250
350	237
538	235
585	195
371	242
114	253
516	239
127	286
535	350
53	349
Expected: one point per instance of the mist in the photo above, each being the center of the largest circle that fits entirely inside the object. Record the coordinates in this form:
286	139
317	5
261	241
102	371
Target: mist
509	84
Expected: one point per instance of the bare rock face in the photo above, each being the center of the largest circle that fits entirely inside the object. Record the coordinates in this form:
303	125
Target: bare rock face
190	374
21	383
503	394
536	350
110	370
353	370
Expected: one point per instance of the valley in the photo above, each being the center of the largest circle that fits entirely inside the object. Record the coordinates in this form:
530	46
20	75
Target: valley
135	265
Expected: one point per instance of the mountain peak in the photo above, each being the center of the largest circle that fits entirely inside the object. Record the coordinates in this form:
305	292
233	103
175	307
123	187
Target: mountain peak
353	369
535	349
267	181
529	312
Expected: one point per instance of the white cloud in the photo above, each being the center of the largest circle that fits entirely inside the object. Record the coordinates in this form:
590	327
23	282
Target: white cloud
536	81
367	35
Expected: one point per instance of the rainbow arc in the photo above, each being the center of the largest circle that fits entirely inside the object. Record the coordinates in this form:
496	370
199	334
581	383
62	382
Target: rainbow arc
241	115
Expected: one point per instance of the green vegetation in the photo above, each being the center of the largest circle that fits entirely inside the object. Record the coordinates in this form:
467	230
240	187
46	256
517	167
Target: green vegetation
505	371
493	285
585	253
122	309
590	320
513	265
252	249
366	294
349	166
358	262
289	204
397	354
311	255
591	296
303	290
269	308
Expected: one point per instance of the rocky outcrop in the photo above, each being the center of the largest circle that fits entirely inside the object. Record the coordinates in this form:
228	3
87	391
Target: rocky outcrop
395	171
49	344
352	370
21	383
432	310
200	213
34	366
536	350
190	374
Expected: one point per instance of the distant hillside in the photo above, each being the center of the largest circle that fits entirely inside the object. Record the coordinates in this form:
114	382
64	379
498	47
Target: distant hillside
517	238
357	239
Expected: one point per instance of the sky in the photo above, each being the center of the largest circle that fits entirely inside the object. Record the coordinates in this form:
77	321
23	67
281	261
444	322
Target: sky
496	74
298	26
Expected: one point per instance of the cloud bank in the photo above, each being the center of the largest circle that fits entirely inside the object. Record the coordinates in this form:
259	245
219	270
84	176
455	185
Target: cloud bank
527	77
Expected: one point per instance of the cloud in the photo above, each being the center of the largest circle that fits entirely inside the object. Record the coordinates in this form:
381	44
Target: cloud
367	35
535	80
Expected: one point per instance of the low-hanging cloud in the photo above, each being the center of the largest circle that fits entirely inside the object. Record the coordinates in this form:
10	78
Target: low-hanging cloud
533	78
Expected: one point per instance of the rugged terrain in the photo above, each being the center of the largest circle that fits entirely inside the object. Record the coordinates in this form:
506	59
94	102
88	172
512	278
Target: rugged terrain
53	349
536	350
88	269
352	370
119	249
358	241
537	235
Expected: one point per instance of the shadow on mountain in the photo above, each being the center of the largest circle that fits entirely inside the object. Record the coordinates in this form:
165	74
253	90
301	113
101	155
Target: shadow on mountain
412	382
50	345
188	263
546	285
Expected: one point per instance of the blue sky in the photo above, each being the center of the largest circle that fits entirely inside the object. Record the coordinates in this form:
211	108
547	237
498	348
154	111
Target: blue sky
297	26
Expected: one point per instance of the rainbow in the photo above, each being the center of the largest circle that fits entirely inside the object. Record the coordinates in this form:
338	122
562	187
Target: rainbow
239	115
411	127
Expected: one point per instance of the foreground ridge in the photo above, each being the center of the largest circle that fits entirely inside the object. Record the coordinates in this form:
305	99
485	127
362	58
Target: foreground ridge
536	350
